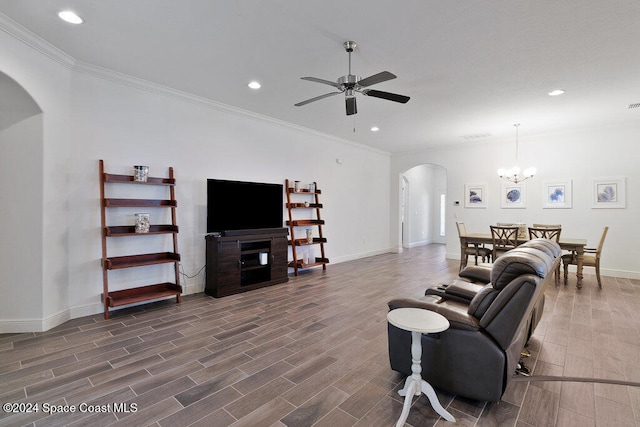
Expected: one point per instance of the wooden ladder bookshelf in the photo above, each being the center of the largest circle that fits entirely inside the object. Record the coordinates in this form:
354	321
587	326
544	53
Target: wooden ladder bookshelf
304	199
141	293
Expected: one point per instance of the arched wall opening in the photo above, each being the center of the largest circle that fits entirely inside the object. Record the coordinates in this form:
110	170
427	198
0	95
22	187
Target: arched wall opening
422	191
21	210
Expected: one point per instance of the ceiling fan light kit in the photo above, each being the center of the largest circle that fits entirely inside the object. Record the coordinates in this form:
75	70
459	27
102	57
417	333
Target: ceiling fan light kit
351	84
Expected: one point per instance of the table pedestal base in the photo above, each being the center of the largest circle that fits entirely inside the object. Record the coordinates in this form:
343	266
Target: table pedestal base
415	385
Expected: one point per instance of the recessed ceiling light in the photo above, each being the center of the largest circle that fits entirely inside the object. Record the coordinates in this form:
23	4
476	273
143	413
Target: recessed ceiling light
70	17
556	92
255	85
375	129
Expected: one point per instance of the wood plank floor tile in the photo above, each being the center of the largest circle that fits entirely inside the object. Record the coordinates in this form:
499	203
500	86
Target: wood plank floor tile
178	361
308	388
155	395
35	368
384	414
209	387
267	414
315	408
254	365
610	413
572	419
360	402
107	387
56	382
208	371
256	398
309	368
260	378
217	418
313	351
540	407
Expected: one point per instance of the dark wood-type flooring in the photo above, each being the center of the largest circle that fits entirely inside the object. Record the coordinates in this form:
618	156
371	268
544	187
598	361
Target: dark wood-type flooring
313	351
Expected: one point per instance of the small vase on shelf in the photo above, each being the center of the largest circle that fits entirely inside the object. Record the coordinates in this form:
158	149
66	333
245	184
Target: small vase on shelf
140	173
142	223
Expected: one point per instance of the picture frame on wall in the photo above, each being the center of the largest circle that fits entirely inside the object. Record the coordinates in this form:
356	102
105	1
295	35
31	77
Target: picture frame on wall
475	195
558	194
512	196
608	193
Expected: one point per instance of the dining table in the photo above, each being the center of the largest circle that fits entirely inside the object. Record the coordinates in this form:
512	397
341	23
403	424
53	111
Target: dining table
566	243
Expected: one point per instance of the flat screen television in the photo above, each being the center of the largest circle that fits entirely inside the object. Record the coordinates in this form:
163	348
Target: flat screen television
238	205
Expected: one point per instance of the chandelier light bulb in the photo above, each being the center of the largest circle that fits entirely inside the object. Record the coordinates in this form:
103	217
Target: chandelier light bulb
513	174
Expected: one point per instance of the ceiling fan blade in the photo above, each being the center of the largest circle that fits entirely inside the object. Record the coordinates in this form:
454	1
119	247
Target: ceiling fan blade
326	95
376	78
386	95
326	82
351	105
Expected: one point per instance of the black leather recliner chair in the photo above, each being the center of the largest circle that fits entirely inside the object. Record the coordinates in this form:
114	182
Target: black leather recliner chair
474	277
478	354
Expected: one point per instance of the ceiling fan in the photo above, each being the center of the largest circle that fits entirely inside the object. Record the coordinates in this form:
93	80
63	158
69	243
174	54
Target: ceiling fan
350	84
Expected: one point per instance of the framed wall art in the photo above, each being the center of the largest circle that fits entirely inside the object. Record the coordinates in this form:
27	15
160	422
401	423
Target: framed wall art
608	193
475	195
512	196
557	195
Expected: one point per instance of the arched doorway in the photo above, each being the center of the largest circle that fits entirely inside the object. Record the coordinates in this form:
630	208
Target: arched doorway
21	212
422	205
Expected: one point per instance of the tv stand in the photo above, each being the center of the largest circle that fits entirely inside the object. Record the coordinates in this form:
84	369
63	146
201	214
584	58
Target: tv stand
250	232
242	262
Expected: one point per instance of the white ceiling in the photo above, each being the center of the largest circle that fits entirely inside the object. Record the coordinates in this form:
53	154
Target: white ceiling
472	68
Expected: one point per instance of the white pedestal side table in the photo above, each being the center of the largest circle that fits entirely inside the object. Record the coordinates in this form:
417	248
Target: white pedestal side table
418	321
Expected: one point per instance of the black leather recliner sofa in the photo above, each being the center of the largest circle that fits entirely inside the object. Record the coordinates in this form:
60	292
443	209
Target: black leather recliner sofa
489	324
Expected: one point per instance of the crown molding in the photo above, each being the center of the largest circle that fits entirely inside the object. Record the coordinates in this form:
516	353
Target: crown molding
35	42
158	89
47	49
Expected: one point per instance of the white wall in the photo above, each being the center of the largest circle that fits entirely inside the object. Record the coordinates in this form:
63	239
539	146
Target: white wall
579	155
91	115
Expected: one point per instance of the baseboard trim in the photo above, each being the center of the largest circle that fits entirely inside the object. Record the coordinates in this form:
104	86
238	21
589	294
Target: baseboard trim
8	326
353	257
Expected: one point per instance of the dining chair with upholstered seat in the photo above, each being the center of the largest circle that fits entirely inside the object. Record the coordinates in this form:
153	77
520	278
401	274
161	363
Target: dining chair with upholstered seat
470	249
547	232
503	239
591	258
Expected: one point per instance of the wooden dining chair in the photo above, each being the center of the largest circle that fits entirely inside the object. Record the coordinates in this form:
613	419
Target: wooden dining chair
522	229
547	232
503	239
471	249
591	258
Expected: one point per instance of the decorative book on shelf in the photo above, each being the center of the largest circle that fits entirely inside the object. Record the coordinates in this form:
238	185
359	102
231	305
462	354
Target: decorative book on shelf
305	233
134	295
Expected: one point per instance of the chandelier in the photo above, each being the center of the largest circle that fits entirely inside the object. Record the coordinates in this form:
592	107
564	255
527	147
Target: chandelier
513	174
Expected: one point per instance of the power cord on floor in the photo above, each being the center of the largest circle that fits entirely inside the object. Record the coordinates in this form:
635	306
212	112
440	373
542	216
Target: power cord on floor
575	379
186	276
524	374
